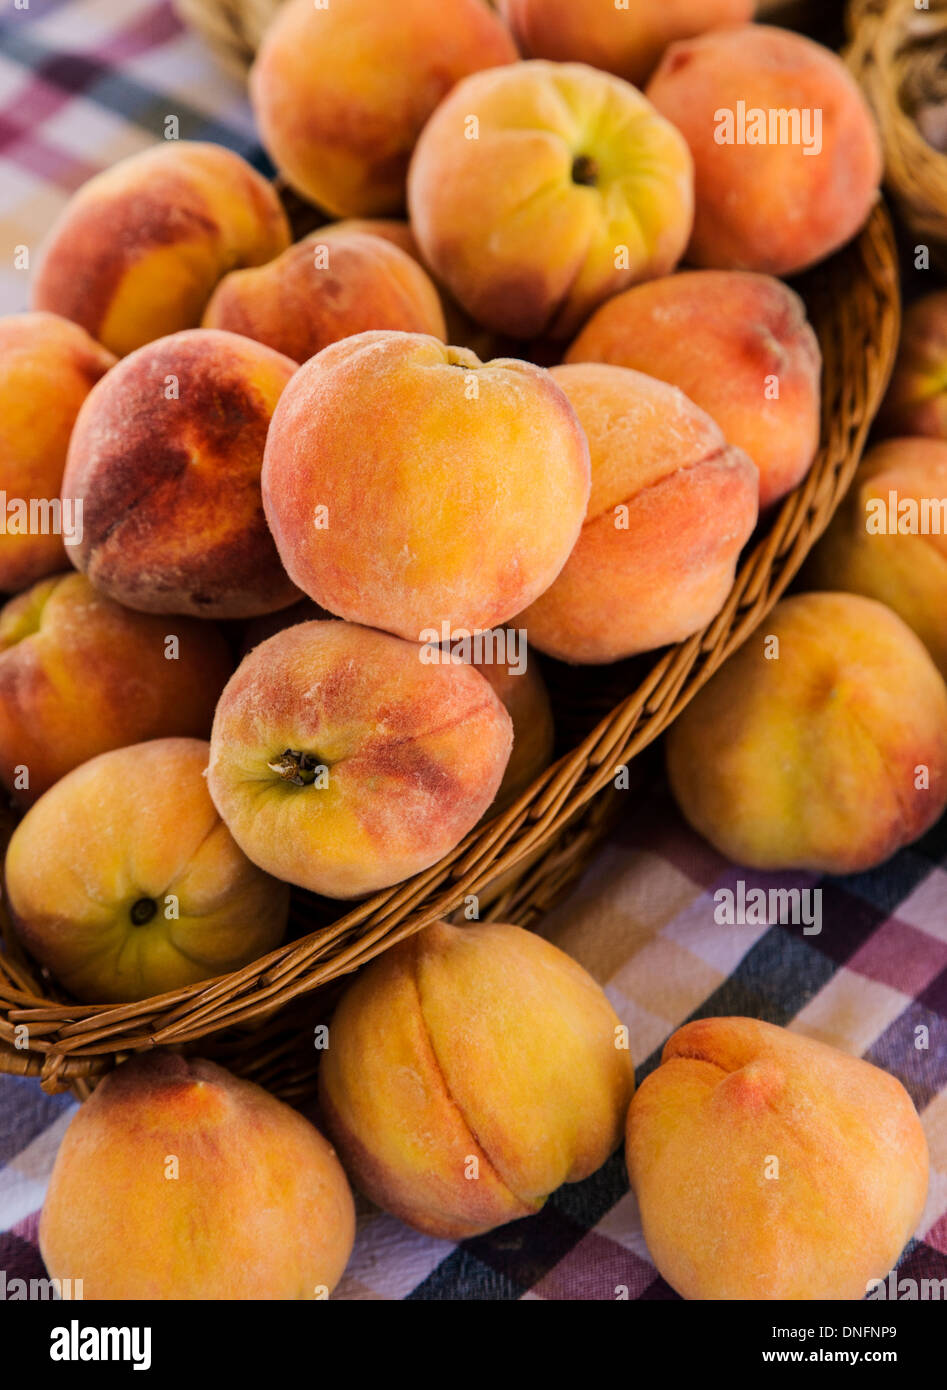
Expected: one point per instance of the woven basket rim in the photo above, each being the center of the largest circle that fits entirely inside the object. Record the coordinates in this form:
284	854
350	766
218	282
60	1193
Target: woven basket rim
70	1041
885	41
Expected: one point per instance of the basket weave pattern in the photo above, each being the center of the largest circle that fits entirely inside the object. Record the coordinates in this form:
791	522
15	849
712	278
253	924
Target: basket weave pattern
898	55
854	305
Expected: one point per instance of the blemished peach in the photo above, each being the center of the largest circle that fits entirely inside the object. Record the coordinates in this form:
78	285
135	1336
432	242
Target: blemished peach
451	490
787	158
821	745
124	882
624	39
165	459
341	91
342	763
470	1072
254	1204
768	1165
916	401
80	675
739	345
138	249
671	507
48	366
329	286
537	191
888	539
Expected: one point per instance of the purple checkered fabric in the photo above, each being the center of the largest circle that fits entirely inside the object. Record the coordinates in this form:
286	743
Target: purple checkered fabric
83	84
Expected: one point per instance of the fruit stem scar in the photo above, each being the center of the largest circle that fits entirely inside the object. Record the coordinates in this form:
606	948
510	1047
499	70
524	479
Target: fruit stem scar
584	170
298	768
142	911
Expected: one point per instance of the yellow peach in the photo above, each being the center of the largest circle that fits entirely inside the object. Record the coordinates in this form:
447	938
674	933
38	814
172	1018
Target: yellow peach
47	368
123	881
408	484
470	1071
537	191
821	745
176	1180
769	1166
138	250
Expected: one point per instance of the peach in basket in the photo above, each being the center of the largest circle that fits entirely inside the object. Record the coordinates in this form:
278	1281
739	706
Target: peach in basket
124	882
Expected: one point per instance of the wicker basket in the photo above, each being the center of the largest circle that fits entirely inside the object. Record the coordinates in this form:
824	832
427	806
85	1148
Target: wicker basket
899	56
259	1020
232	28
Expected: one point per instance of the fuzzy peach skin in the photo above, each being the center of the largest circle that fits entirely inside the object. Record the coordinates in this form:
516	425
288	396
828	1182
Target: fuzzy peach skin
671	507
47	368
411	755
340	92
770	1166
124	882
79	675
769	207
916	401
830	756
140	247
165	458
573	188
453	489
863	553
626	41
257	1206
739	345
470	1072
328	286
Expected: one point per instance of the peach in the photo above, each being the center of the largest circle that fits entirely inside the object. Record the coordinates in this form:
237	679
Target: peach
177	1180
470	1072
916	402
821	745
329	286
165	459
526	700
787	158
888	539
461	328
343	763
47	368
770	1166
140	247
624	39
80	675
739	345
451	490
538	191
124	882
671	507
341	91
517	683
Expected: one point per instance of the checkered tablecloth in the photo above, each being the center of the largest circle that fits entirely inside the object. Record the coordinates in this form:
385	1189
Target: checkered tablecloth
84	83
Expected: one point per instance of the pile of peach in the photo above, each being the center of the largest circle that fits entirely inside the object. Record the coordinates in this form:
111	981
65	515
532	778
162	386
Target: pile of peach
254	490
